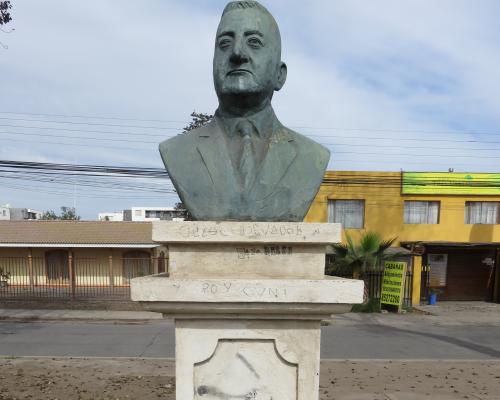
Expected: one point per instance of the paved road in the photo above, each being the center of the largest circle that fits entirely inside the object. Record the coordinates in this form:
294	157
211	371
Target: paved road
353	340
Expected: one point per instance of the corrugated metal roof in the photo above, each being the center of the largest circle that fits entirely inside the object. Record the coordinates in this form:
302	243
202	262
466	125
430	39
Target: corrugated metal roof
75	232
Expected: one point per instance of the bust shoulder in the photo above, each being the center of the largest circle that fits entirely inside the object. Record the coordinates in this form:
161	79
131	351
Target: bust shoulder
309	147
186	140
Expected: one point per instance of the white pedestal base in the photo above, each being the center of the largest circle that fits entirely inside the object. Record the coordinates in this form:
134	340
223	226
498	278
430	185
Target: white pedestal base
248	300
243	359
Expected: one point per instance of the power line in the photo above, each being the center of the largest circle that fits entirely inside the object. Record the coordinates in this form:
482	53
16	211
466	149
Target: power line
94	117
134	171
334	152
420	131
398	163
86	170
425	132
165	137
79	137
84	145
70	130
89	123
86	194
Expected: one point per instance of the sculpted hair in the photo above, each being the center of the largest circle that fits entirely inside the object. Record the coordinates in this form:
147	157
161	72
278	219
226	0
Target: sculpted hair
242	5
234	5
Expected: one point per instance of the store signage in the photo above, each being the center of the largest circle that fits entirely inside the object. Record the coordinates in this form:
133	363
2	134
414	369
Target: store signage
393	283
450	183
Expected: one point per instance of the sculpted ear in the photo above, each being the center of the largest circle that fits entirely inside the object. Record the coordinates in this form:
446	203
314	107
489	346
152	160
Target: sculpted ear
281	76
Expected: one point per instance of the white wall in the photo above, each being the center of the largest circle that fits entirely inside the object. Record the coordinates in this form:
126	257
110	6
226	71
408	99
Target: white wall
4	213
114	216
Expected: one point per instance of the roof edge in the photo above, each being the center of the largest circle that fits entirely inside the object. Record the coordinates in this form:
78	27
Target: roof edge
82	245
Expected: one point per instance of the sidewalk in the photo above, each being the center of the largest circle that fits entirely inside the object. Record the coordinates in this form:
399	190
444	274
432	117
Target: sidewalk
444	313
65	315
148	379
473	312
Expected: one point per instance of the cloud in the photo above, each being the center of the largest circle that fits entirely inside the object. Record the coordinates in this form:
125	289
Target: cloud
385	84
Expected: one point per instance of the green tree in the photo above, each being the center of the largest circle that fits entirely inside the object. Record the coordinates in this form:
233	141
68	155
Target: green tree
67	213
179	206
5	16
198	120
49	215
368	254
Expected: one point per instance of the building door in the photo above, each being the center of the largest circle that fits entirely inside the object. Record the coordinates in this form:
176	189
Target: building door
465	274
57	266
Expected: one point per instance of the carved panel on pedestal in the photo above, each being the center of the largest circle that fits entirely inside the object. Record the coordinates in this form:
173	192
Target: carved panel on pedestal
245	370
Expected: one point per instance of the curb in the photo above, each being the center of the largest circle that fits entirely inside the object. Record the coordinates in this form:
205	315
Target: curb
77	315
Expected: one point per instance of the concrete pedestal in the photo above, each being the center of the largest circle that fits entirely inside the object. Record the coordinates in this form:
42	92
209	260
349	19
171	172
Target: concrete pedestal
248	300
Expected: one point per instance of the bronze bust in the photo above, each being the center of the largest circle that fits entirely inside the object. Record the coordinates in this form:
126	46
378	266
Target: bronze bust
245	165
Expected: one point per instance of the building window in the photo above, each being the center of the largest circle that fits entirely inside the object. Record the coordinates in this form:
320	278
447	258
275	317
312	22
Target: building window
161	214
4	212
438	264
421	212
349	213
138	213
481	212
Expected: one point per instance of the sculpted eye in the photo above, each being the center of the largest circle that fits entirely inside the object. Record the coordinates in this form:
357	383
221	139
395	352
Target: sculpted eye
255	42
224	43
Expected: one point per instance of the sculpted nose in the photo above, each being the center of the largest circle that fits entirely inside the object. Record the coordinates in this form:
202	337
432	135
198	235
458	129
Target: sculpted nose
238	55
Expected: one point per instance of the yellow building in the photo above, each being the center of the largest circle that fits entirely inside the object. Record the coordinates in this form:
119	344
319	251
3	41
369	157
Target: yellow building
452	218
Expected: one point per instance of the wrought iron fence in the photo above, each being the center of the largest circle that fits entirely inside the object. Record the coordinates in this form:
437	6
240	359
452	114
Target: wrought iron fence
425	284
373	280
74	277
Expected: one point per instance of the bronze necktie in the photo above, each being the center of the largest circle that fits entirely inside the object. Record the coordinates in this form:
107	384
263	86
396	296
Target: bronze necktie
247	161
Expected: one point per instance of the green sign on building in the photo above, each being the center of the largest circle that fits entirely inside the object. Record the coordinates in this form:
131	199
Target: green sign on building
393	283
454	183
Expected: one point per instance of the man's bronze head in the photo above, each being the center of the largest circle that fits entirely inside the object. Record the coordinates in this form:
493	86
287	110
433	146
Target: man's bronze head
247	59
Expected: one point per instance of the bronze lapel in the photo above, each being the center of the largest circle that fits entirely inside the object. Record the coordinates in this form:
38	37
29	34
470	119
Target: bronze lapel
214	154
281	154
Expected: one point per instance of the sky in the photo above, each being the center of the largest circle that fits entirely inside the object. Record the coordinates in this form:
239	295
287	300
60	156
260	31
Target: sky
386	85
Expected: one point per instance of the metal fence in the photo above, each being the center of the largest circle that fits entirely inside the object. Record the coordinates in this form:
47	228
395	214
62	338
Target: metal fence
373	280
425	284
73	277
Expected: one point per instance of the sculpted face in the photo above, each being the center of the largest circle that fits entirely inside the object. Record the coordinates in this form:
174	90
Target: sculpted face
247	59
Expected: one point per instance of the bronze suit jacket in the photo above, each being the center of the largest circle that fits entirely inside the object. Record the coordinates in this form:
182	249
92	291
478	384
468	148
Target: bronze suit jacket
203	174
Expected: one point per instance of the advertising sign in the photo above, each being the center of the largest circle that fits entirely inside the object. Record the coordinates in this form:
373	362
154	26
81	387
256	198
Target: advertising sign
393	283
450	183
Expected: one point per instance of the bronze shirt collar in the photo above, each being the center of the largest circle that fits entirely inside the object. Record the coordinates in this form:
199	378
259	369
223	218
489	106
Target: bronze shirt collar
263	121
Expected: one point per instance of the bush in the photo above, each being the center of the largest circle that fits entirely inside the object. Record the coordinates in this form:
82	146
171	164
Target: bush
371	306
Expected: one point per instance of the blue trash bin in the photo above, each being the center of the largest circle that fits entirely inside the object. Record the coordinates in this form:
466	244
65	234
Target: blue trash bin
433	299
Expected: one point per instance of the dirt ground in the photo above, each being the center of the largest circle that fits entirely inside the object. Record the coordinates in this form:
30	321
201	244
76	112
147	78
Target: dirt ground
100	378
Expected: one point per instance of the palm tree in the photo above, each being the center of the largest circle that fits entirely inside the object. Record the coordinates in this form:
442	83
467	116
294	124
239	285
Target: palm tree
370	253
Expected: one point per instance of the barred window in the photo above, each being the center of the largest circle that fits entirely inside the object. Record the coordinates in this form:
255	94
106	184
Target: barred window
421	212
481	212
349	213
438	264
